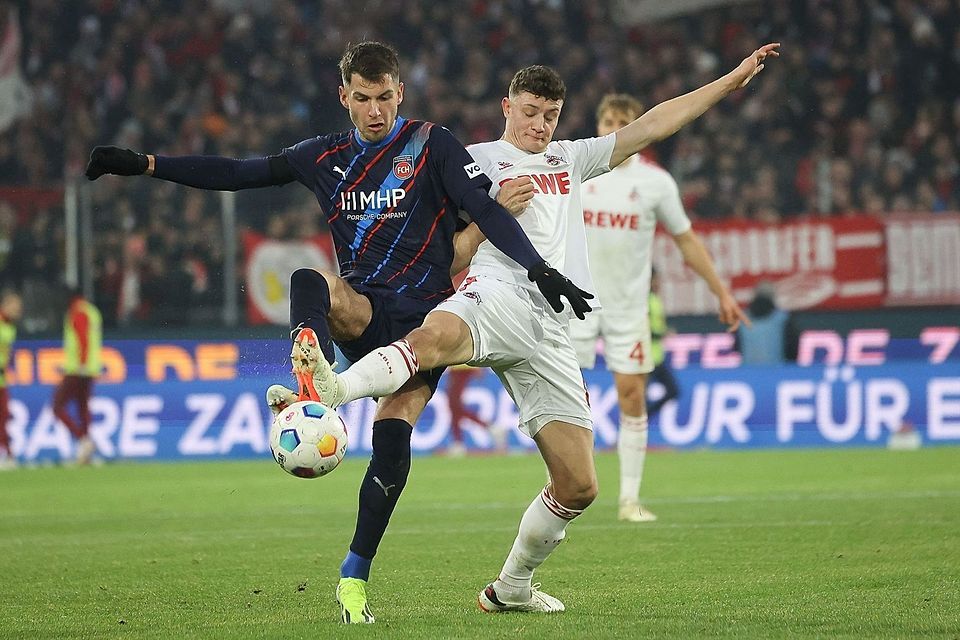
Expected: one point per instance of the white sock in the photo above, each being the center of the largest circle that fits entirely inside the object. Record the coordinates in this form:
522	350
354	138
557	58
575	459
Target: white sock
380	372
542	528
632	450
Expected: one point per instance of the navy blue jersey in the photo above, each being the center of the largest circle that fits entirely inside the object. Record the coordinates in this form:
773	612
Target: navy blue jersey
392	207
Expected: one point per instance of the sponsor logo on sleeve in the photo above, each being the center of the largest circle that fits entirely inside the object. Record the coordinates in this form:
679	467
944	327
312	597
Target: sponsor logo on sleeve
473	170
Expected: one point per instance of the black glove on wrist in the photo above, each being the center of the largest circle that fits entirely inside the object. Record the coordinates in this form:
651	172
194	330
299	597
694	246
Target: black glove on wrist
553	284
120	162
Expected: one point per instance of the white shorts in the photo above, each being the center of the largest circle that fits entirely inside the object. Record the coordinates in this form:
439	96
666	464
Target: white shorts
626	340
527	344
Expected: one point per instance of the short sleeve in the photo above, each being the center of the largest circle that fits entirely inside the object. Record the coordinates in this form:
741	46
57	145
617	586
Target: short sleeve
669	209
458	171
591	155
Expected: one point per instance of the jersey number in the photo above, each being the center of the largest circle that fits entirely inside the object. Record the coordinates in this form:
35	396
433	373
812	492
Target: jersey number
637	352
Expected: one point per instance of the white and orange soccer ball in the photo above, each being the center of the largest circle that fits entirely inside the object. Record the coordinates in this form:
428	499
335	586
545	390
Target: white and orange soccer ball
308	439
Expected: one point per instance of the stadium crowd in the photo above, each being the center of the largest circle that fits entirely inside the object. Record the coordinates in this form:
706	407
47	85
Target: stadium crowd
861	114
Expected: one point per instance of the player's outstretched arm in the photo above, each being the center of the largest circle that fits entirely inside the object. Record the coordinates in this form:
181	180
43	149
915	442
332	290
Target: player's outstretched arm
668	117
203	172
698	258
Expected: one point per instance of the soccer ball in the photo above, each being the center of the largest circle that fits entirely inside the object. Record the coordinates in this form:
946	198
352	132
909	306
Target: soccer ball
308	439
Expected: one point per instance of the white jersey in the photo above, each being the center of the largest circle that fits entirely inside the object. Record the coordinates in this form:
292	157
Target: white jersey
620	214
554	218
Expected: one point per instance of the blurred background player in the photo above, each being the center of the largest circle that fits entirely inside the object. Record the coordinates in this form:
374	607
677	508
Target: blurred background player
497	319
621	210
391	191
662	374
458	378
765	343
82	344
11	308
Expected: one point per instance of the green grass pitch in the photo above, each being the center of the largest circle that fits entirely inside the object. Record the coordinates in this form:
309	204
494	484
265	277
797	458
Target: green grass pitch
756	544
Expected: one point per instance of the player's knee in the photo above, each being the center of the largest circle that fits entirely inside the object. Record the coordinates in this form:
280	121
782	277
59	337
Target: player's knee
426	343
631	393
576	493
304	278
434	345
444	339
308	284
632	402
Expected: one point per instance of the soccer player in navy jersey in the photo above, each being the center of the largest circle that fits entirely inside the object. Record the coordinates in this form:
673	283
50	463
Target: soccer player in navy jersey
391	190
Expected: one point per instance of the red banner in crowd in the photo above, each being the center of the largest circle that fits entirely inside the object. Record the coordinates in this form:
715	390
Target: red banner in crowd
828	263
848	262
268	264
923	260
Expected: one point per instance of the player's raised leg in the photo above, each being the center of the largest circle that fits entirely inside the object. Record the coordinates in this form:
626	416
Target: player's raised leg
567	450
322	307
310	304
443	339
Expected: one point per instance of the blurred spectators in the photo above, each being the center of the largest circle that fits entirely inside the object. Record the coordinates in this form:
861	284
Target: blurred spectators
860	114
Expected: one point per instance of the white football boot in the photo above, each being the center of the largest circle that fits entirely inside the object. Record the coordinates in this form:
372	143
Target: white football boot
314	373
539	602
279	398
85	450
635	512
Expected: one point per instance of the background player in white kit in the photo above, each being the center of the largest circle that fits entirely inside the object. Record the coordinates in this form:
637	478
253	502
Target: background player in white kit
497	319
621	210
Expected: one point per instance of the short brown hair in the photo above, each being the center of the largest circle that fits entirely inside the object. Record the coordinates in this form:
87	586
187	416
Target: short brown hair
539	80
619	102
371	61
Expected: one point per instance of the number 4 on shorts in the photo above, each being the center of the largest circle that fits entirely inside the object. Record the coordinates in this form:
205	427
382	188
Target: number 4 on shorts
637	352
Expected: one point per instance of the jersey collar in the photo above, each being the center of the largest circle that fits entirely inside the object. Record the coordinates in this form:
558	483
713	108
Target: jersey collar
390	136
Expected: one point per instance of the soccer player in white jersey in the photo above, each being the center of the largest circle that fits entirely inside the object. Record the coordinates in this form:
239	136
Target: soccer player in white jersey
621	210
497	319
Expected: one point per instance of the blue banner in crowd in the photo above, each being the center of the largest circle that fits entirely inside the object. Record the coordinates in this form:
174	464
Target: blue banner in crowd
194	400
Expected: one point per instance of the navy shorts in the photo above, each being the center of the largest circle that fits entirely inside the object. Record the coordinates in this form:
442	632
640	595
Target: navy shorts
394	316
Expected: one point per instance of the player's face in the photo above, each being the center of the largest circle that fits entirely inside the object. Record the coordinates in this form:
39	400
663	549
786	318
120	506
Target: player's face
372	105
531	121
613	120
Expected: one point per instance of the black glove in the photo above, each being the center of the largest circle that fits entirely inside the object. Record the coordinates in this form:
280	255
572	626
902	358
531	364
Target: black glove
553	284
120	162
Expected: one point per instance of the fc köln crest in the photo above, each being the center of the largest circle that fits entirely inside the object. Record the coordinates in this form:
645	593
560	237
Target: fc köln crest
403	167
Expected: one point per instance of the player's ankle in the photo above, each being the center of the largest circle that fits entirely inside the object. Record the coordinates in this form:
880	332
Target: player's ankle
512	591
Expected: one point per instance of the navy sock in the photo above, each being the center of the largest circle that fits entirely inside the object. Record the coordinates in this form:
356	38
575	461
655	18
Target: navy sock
385	478
309	306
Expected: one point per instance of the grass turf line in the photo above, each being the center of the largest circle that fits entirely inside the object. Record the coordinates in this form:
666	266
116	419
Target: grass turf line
813	543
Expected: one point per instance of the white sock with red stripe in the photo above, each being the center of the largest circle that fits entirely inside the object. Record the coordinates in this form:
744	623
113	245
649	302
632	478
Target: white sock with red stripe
632	451
542	528
380	372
